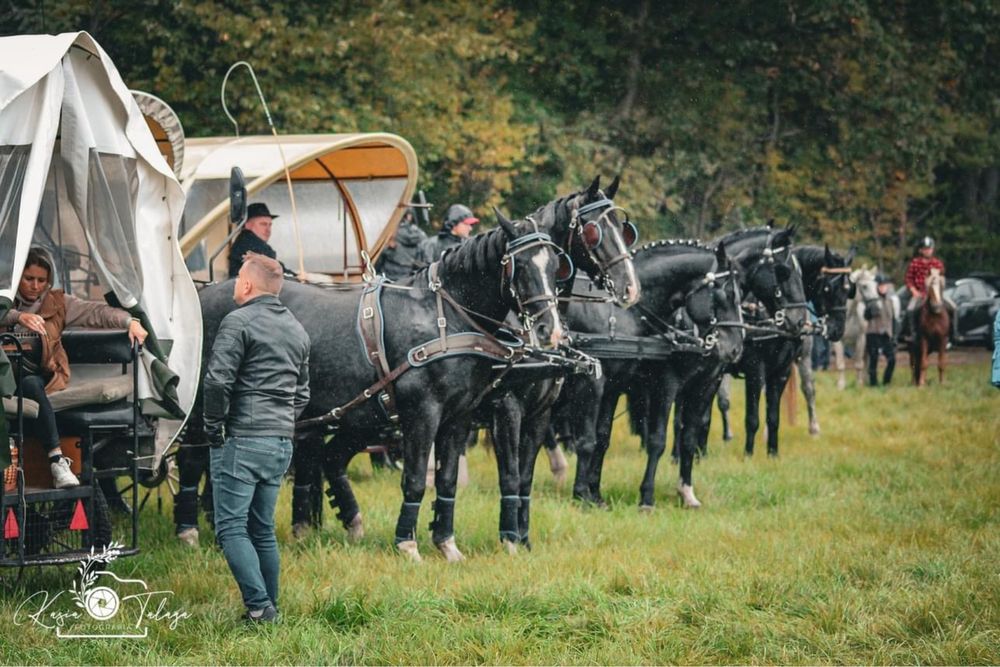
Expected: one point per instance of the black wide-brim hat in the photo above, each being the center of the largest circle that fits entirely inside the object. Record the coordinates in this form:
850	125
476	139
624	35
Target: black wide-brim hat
258	209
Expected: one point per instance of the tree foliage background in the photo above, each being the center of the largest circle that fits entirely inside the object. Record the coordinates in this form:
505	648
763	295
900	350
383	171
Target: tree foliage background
864	122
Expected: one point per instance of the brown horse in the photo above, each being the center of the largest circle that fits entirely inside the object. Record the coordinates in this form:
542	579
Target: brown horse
933	326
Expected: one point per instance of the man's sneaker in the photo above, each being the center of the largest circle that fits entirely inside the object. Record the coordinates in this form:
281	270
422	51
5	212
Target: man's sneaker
266	615
189	536
62	476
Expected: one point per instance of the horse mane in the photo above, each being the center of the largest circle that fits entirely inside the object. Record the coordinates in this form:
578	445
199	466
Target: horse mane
815	254
741	234
671	246
479	253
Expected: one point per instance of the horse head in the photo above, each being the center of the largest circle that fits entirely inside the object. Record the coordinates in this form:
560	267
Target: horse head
833	290
532	267
772	274
934	288
598	237
866	299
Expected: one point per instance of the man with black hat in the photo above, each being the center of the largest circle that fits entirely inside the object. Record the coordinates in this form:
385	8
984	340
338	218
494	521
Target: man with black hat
878	334
458	222
254	237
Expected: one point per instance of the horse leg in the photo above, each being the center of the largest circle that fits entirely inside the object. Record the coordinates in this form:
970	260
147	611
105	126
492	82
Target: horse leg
774	387
532	434
924	360
942	352
558	465
725	391
417	439
507	415
338	455
306	514
754	382
840	363
605	422
693	407
655	441
808	383
450	445
192	465
584	395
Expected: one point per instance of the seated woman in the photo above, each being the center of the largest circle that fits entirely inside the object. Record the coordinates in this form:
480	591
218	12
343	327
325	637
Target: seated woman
47	312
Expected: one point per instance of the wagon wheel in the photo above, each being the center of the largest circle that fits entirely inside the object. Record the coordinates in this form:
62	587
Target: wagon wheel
165	472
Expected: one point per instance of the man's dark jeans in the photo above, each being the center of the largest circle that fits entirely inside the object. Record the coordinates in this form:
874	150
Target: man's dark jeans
246	477
875	344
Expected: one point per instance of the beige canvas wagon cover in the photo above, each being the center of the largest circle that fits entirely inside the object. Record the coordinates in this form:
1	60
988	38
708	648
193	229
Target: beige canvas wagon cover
350	192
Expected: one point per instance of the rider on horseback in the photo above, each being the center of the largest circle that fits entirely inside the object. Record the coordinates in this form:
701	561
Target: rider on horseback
916	277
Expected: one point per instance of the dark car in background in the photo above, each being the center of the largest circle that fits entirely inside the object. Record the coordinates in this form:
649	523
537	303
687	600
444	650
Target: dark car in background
976	301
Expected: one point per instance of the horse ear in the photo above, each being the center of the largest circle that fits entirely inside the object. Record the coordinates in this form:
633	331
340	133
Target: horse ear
828	256
721	257
612	189
506	225
791	230
595	187
850	256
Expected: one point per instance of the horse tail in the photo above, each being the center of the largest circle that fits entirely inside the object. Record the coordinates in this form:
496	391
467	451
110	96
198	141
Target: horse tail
638	406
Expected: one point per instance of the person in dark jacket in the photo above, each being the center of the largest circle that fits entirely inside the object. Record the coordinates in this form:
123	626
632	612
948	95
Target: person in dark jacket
879	335
256	386
254	238
399	259
458	222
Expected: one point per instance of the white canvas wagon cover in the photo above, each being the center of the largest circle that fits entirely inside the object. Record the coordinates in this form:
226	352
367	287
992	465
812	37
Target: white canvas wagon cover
81	174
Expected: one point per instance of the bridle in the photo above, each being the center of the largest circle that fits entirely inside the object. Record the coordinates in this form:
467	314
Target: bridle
768	258
589	234
517	246
824	285
674	333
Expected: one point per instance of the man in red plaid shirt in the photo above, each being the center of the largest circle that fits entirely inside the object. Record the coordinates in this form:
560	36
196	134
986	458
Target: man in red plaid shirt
916	277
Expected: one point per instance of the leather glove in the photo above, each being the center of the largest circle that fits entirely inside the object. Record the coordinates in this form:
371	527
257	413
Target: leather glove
216	438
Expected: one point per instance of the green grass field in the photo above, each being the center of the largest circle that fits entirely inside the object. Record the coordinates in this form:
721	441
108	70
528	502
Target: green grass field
876	542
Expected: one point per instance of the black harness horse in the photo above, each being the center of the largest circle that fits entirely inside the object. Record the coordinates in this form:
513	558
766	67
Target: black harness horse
768	358
597	237
689	307
440	337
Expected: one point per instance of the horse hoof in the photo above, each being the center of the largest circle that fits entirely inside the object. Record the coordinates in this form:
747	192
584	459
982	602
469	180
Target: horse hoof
686	493
813	428
356	529
301	530
558	465
510	547
841	385
450	551
188	537
726	437
409	549
646	509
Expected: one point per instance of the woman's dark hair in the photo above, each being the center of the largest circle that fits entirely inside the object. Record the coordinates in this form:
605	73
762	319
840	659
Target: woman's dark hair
38	257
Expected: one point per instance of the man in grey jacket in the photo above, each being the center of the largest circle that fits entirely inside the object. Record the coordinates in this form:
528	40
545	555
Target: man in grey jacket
256	385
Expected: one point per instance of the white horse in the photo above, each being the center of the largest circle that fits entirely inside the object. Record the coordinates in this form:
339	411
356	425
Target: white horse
865	299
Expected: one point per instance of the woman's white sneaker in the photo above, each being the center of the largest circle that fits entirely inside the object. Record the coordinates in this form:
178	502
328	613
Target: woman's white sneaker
62	476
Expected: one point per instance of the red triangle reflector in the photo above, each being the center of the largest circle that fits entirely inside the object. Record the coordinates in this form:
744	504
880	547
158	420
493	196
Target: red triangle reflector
79	521
10	529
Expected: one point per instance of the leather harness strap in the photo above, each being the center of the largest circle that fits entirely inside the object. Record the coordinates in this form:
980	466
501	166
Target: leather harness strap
371	325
